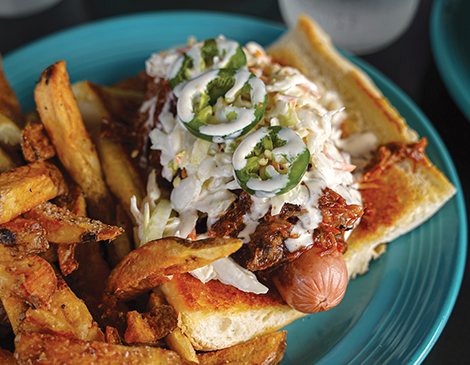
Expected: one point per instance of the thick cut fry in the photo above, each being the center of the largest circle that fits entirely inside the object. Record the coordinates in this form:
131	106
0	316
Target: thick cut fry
66	315
112	336
66	257
36	348
24	284
20	238
9	104
60	115
88	282
117	249
7	358
75	202
151	326
32	279
97	103
121	176
28	186
180	344
10	133
153	264
15	309
6	162
64	227
265	350
35	144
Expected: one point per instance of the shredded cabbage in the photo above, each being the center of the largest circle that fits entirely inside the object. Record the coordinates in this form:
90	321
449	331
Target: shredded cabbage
205	188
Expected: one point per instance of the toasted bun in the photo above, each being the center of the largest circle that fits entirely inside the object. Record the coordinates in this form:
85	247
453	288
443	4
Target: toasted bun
215	316
410	193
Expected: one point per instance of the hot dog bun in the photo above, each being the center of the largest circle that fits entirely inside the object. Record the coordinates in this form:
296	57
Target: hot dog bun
214	315
414	192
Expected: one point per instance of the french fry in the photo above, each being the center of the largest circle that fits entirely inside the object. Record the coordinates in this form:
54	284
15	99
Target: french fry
10	133
121	176
32	280
61	117
265	350
88	282
117	249
175	340
95	104
74	201
65	315
36	145
28	186
112	336
64	227
153	264
66	258
9	104
7	358
15	309
38	348
151	326
20	238
6	163
179	343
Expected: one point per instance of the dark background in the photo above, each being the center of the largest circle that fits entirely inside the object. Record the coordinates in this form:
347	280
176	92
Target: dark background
408	63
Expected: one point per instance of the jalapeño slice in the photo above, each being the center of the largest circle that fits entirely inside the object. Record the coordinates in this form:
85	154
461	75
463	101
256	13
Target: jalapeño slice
221	105
270	161
205	56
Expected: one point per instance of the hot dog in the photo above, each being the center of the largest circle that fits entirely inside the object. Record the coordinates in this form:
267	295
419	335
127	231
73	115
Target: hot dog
314	282
256	162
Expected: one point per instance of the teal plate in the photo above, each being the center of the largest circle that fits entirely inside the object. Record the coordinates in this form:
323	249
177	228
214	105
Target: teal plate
450	41
395	312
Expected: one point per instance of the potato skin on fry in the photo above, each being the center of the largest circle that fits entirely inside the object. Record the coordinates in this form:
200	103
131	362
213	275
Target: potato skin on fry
32	280
9	104
20	238
65	315
64	227
265	350
38	348
27	186
35	144
61	117
153	264
7	358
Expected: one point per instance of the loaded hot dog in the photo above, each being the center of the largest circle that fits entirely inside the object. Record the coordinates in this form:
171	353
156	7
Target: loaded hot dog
245	147
233	121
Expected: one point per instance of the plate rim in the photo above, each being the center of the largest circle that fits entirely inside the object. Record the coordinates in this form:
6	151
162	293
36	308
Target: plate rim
454	83
369	69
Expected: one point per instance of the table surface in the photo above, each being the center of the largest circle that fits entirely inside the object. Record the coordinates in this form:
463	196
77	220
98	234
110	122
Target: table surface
408	63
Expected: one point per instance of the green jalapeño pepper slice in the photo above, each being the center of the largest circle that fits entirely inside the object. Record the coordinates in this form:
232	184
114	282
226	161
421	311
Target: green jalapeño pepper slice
270	161
204	56
221	105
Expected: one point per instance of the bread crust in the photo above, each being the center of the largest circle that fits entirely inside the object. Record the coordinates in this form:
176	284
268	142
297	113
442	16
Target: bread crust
420	188
214	315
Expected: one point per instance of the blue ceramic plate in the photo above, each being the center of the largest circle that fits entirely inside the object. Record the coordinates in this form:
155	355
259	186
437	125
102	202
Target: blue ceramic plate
395	312
450	40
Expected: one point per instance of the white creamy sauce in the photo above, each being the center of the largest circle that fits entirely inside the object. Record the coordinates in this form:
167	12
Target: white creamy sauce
194	89
206	190
227	128
227	49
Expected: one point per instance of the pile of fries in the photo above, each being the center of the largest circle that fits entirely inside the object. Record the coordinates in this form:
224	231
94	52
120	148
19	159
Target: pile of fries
73	288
